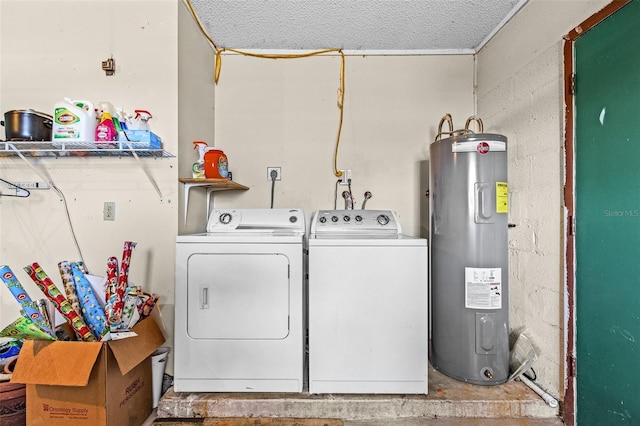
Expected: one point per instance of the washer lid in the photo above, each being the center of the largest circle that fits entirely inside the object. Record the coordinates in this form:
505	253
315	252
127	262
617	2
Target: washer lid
256	220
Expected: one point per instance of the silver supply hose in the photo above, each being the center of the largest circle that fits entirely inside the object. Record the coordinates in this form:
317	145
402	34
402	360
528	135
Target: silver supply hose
367	195
347	200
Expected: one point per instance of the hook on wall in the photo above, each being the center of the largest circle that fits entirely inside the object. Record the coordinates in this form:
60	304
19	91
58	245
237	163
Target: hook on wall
109	66
20	192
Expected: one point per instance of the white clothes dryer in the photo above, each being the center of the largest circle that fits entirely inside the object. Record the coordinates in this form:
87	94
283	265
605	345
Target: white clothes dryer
367	302
239	303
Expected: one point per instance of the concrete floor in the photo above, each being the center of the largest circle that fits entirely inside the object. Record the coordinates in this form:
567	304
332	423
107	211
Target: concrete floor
389	422
448	403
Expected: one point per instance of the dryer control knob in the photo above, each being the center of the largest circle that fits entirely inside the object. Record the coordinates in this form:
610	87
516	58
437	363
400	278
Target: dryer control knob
383	219
293	219
225	218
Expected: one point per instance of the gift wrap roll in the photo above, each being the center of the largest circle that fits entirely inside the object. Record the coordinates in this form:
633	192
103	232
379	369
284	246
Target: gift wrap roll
62	305
24	328
92	311
82	267
148	305
123	278
111	293
30	308
69	285
43	308
130	307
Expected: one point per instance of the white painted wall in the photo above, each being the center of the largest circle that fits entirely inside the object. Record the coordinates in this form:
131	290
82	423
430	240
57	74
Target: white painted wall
520	95
53	49
195	111
280	113
284	113
268	113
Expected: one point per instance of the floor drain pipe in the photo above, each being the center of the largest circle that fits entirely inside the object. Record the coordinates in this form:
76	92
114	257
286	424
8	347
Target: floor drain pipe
551	401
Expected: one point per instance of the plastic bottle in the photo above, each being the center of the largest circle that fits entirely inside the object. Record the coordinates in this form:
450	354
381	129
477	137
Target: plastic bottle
74	121
216	165
142	118
198	167
106	130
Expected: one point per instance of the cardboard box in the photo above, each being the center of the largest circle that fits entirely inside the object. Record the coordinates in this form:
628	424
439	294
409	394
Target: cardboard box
141	139
90	383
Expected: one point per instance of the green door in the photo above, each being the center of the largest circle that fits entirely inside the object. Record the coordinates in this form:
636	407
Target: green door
607	210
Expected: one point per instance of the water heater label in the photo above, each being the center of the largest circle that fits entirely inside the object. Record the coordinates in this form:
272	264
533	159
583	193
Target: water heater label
483	288
502	197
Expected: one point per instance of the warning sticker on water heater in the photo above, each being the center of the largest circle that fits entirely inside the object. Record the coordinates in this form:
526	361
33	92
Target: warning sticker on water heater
483	288
502	197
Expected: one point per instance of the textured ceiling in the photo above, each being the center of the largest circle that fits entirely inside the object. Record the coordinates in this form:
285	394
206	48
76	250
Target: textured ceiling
393	26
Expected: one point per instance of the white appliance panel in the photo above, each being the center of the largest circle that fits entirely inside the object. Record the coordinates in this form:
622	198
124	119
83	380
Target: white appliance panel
367	306
238	296
251	336
386	283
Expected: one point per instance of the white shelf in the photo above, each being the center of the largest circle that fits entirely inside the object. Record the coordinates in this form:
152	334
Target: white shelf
79	149
212	185
48	149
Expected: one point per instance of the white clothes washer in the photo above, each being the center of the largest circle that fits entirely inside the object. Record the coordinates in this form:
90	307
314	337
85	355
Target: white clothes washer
367	302
239	303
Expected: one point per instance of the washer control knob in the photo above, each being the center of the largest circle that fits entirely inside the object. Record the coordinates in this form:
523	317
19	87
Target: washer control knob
322	219
293	219
334	218
225	218
383	219
346	218
358	218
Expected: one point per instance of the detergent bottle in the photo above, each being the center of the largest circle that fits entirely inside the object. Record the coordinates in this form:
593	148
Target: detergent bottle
198	167
106	130
216	165
74	121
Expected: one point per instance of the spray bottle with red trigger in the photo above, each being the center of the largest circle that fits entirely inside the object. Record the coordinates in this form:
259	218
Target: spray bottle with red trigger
142	118
198	167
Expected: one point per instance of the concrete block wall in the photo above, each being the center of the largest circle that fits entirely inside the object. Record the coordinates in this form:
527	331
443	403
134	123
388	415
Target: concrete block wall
520	94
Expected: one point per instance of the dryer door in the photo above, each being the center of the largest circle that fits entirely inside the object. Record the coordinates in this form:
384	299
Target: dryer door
238	296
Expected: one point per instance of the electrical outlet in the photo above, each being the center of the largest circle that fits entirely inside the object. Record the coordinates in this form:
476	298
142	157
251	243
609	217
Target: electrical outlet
277	170
345	177
109	210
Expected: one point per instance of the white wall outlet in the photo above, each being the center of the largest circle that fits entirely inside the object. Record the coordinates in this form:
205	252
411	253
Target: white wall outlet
277	171
345	177
109	210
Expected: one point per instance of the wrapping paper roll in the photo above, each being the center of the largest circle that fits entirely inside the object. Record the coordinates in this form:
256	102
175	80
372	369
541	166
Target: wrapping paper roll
82	267
111	291
116	295
62	305
24	328
69	285
92	311
148	305
123	275
43	308
29	307
130	307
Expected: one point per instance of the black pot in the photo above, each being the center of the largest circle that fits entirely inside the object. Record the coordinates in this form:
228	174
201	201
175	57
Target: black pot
27	125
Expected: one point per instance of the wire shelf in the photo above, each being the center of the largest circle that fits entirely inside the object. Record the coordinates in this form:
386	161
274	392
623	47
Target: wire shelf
47	149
